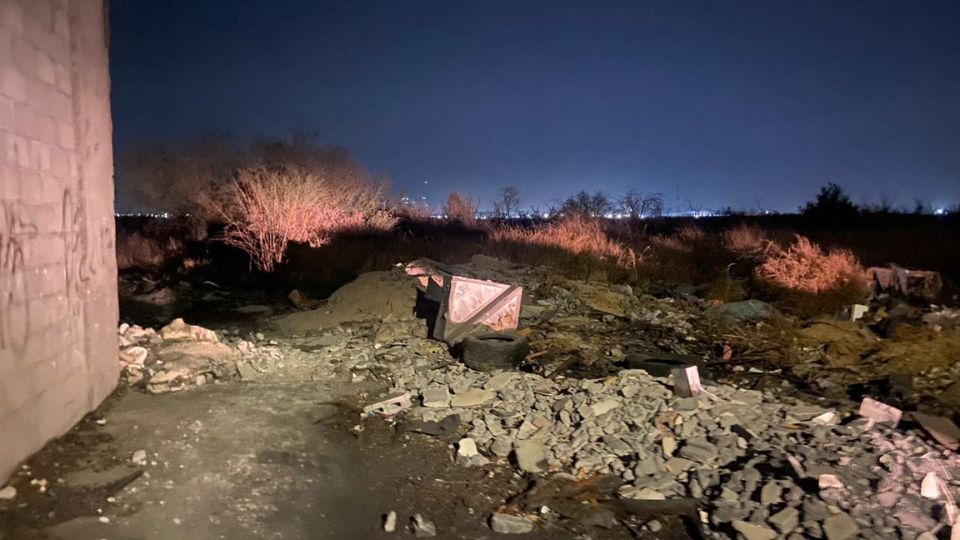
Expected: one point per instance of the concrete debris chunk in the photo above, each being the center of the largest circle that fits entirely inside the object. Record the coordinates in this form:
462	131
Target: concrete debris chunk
422	528
785	520
686	381
531	456
435	396
390	406
830	481
881	413
510	524
943	430
8	493
473	397
390	522
467	448
840	527
752	531
930	486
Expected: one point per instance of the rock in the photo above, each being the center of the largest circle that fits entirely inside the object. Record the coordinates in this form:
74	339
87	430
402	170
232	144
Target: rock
830	481
501	448
390	522
473	397
770	493
699	449
422	528
139	457
435	396
179	330
510	524
605	406
840	527
134	355
8	493
644	494
654	525
752	531
669	445
785	520
300	300
531	456
467	448
930	486
741	312
247	372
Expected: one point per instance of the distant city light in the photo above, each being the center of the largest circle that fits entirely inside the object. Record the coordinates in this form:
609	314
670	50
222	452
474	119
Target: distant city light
940	211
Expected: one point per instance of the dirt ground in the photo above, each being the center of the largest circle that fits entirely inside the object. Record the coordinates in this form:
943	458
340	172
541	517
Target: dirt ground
252	460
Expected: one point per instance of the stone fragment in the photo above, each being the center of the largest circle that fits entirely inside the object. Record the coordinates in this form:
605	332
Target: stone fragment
830	481
785	520
390	522
699	449
770	493
422	528
473	397
435	396
134	355
930	486
501	448
605	406
139	457
840	527
467	448
510	524
686	381
752	531
8	493
669	445
531	456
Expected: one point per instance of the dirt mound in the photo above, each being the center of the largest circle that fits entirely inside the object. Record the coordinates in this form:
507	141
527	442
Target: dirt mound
372	296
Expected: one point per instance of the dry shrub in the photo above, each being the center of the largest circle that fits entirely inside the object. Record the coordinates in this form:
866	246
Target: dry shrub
805	267
268	208
574	235
745	240
461	209
137	251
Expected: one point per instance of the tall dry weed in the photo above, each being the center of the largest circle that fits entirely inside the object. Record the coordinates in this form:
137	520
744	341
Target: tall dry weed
804	266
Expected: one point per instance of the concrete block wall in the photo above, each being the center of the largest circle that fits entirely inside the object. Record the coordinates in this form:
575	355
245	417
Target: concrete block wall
58	282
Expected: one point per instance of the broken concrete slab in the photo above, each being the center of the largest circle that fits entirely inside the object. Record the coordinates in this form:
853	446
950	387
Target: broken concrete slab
881	413
473	397
510	524
531	456
943	430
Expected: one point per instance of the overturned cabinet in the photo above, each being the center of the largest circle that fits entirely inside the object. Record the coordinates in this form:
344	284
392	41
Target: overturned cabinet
462	305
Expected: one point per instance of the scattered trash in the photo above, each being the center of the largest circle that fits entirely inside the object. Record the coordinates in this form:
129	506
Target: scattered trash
686	381
880	413
389	406
490	351
857	311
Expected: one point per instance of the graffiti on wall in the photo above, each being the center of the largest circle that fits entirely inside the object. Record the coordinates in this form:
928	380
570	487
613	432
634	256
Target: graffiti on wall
15	232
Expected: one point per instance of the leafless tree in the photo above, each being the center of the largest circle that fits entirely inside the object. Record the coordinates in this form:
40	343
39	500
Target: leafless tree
587	205
507	202
642	205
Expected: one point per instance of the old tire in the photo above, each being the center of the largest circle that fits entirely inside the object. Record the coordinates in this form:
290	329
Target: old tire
490	351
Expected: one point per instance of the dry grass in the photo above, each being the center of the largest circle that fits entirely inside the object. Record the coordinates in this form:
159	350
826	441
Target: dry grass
138	251
269	208
574	235
746	240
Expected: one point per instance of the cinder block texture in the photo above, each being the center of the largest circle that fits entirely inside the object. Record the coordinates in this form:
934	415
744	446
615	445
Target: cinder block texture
58	272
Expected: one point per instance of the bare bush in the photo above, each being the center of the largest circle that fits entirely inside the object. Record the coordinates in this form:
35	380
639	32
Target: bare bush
270	207
805	267
585	205
461	209
507	203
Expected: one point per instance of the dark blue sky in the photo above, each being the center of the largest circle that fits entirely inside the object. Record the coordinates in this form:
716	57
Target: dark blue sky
719	103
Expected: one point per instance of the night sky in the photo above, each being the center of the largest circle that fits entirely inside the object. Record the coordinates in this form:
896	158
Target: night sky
746	104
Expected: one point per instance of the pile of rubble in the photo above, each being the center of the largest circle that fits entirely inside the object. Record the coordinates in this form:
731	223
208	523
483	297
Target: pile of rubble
759	464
